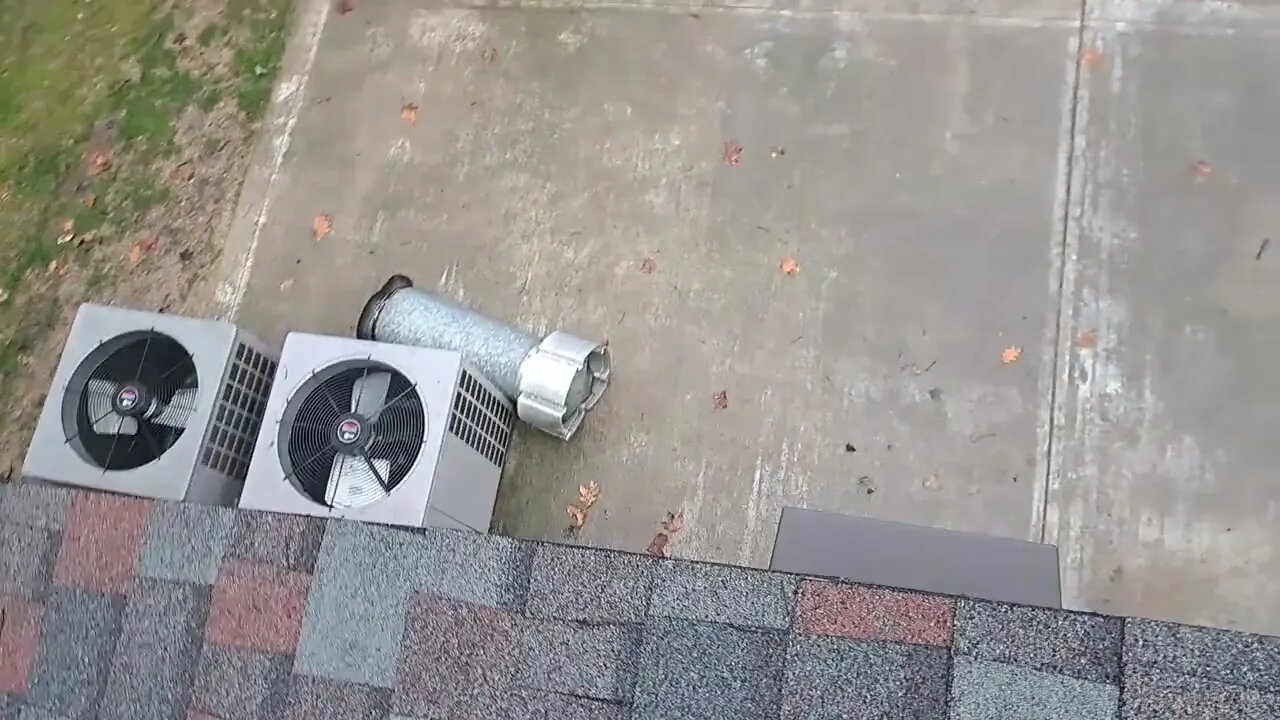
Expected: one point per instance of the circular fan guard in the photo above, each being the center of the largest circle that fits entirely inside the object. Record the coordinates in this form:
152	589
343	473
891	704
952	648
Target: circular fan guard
135	401
351	433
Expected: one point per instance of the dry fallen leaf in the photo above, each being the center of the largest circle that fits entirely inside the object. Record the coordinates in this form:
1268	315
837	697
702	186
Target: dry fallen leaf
674	522
720	400
489	54
648	266
409	113
577	516
1090	56
1202	169
286	286
321	226
141	247
68	232
99	162
345	6
588	494
732	152
789	266
1087	340
1011	354
658	546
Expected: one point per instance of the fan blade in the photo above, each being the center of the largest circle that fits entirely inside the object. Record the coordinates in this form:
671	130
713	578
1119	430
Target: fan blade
178	411
99	401
352	483
116	424
369	393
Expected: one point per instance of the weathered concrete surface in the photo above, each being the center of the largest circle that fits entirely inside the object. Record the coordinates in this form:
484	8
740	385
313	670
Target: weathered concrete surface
914	184
1163	493
933	151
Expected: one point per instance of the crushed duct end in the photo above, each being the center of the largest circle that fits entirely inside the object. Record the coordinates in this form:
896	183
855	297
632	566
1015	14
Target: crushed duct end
553	382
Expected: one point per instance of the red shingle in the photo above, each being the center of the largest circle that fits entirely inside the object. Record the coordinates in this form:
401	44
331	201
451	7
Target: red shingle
18	638
100	547
258	607
866	613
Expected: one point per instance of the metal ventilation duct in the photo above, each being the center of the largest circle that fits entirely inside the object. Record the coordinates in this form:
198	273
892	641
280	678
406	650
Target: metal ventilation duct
553	381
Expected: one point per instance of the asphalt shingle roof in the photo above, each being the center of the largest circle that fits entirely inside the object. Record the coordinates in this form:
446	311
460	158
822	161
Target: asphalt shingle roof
116	607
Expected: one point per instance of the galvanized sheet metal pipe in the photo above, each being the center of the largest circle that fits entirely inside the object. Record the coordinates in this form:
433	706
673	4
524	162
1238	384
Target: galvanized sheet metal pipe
553	381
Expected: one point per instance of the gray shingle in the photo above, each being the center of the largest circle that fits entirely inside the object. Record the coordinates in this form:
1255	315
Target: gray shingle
1222	655
78	633
27	556
35	713
1153	694
35	505
354	619
365	576
531	705
288	541
594	661
241	684
473	567
571	583
156	655
458	660
985	690
185	542
1074	644
319	699
720	593
835	677
693	670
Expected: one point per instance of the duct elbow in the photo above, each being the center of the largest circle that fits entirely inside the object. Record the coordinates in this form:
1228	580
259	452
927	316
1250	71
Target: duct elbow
561	379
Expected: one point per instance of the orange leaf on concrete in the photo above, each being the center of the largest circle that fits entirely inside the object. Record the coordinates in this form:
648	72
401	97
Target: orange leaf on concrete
1090	56
658	546
409	113
720	400
577	517
1011	354
322	225
732	152
674	522
648	266
789	266
1087	340
588	494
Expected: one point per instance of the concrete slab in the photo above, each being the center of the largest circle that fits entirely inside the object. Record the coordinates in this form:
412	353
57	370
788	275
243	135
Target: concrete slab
1162	490
896	159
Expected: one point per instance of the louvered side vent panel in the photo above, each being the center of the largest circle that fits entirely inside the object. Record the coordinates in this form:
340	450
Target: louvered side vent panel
239	414
480	420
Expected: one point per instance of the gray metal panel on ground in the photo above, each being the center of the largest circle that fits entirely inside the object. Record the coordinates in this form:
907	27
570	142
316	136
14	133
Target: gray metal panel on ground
909	172
1163	494
878	552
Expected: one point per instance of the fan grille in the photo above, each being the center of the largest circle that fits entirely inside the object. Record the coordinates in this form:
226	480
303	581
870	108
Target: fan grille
134	401
316	433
